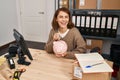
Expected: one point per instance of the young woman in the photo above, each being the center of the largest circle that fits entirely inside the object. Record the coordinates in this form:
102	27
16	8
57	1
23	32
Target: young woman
64	29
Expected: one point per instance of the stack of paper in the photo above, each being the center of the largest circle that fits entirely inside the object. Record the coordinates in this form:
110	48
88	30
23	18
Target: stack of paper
93	63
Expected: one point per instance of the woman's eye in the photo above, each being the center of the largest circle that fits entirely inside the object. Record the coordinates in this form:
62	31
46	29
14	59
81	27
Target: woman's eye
66	16
60	16
63	16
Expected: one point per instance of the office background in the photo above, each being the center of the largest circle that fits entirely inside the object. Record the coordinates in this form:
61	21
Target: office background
10	18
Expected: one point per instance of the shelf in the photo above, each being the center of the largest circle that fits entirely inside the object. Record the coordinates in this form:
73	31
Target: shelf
97	24
103	38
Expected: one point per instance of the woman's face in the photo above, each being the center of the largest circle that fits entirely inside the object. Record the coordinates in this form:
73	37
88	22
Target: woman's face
62	19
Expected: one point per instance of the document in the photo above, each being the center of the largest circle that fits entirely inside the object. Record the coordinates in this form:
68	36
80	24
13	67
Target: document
93	63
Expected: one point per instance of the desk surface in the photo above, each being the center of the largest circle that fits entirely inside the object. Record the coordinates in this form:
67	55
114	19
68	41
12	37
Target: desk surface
44	67
47	67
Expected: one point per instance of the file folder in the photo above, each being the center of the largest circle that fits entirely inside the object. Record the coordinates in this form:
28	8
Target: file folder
78	21
108	27
88	25
82	25
102	31
114	26
73	19
97	26
92	26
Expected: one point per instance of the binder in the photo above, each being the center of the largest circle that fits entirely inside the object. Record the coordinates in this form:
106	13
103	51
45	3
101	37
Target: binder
115	21
97	26
103	21
78	21
73	19
88	25
114	27
109	24
82	29
92	25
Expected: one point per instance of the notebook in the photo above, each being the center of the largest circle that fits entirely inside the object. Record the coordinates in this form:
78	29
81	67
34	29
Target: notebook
93	63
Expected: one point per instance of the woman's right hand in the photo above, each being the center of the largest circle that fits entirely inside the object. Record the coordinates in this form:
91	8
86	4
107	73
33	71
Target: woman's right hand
56	37
60	54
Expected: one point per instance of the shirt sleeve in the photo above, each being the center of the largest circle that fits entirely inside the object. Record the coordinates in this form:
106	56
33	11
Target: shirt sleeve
49	44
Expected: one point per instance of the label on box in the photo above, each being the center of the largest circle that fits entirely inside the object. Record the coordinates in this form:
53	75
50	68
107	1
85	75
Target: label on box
89	42
77	72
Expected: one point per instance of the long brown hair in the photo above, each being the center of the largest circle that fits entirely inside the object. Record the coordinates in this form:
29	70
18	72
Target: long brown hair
54	22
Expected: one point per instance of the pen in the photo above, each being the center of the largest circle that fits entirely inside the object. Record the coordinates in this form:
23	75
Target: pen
89	66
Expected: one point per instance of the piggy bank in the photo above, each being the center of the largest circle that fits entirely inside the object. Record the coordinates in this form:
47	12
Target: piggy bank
59	47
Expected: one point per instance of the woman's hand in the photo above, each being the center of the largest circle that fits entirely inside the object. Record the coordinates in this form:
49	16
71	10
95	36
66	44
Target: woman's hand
58	55
56	37
61	54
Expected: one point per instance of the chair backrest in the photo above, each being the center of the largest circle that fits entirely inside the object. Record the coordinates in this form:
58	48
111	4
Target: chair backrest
115	53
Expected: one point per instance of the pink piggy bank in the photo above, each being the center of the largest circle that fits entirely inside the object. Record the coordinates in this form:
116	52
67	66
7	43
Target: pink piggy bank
59	47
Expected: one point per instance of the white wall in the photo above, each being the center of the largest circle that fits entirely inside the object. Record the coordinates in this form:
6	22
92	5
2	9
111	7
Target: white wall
8	21
10	18
50	13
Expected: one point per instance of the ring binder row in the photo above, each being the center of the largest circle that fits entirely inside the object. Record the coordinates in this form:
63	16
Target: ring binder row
96	25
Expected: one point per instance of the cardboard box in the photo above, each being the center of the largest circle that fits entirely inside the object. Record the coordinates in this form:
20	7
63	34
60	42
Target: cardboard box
92	43
94	76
